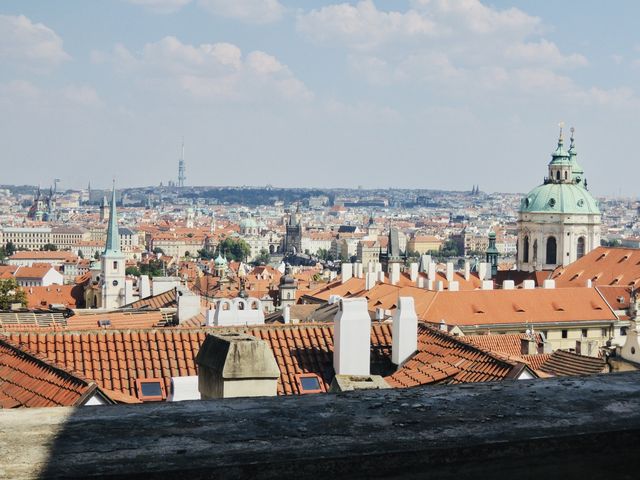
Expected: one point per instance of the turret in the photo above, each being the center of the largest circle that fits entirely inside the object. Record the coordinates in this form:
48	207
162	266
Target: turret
560	167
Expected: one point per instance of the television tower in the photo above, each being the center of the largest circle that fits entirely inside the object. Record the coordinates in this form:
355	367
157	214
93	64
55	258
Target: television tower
181	175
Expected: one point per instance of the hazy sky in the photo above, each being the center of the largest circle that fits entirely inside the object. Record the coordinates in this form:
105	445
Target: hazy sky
419	93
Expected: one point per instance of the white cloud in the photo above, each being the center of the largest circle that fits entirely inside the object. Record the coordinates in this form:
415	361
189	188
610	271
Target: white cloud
216	71
544	52
24	93
363	26
82	95
250	11
30	44
161	6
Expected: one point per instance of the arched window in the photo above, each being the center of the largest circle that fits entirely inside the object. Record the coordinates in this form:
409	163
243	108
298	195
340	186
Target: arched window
535	251
551	250
557	174
565	174
525	250
580	248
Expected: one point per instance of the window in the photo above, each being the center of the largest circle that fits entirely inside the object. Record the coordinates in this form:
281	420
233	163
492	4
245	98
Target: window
151	389
580	249
115	265
585	332
309	383
623	331
525	253
565	333
551	250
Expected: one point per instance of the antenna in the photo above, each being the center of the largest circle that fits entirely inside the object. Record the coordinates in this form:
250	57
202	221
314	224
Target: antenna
181	167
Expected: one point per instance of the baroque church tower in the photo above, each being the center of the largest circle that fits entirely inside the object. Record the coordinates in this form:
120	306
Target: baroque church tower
113	262
558	221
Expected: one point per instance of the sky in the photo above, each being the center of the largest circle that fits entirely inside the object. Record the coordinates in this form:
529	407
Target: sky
434	94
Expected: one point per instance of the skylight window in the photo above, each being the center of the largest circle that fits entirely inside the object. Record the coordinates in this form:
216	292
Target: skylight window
151	389
309	383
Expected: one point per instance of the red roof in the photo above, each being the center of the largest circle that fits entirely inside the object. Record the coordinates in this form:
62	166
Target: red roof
29	381
603	266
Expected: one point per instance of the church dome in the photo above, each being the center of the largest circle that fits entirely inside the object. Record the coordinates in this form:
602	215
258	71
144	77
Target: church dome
559	198
248	223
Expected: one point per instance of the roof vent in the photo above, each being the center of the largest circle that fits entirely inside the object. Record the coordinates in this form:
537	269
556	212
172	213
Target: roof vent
104	322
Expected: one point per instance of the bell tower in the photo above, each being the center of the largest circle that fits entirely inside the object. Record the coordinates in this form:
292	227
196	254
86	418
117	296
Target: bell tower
113	262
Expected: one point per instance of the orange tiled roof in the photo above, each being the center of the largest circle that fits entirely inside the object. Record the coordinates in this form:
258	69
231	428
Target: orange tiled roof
562	363
509	344
603	266
29	381
116	358
442	358
162	300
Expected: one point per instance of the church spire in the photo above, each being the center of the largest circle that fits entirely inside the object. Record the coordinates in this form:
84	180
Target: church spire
113	235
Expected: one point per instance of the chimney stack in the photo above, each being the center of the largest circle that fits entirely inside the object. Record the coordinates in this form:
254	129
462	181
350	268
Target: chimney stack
508	285
380	277
369	280
528	284
449	271
482	271
405	331
549	284
454	286
420	282
413	272
352	338
236	365
431	272
144	287
425	261
467	270
347	271
487	285
528	345
394	274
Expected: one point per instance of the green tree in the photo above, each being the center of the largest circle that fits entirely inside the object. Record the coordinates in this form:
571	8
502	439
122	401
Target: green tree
235	249
155	268
263	258
11	293
49	247
205	254
158	250
96	255
324	254
134	271
80	254
10	249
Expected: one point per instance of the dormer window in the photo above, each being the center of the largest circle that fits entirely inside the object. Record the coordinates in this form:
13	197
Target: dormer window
151	389
309	383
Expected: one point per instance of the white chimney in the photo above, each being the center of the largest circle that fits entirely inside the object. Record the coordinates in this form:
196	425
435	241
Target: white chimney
529	284
508	285
378	267
352	338
144	286
548	283
404	331
589	283
347	271
449	271
286	314
431	273
188	304
359	269
428	284
482	271
487	285
413	272
487	270
425	260
128	291
420	282
380	313
371	267
443	326
454	286
380	277
369	280
467	270
184	388
333	299
439	285
394	274
210	320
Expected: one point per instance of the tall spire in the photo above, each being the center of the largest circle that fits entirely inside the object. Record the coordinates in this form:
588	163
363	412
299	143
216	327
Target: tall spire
113	235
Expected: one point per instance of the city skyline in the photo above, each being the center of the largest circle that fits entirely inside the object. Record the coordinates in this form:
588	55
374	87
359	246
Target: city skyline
432	95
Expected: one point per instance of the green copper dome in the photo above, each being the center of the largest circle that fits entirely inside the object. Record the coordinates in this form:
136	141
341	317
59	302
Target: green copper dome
559	198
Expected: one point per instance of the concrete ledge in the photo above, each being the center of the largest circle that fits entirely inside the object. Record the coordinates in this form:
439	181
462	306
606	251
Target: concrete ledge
557	428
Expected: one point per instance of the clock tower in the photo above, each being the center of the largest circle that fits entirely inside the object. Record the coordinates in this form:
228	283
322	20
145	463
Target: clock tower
113	262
